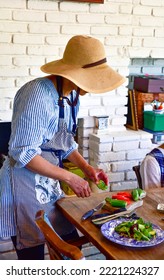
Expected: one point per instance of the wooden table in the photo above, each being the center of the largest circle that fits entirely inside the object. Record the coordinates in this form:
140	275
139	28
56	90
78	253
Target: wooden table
73	208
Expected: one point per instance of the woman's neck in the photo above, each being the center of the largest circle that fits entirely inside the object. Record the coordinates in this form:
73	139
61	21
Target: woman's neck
68	86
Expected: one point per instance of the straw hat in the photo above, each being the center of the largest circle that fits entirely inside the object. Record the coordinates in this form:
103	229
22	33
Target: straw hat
84	63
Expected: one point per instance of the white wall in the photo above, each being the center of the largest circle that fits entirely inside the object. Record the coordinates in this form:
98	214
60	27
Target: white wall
34	32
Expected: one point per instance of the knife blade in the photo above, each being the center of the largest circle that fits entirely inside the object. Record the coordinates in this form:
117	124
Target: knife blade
117	215
90	212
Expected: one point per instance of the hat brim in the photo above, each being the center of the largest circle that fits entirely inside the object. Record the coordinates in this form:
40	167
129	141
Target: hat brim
98	79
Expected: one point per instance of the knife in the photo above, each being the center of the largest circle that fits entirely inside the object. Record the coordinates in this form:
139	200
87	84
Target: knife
111	217
107	214
90	212
130	209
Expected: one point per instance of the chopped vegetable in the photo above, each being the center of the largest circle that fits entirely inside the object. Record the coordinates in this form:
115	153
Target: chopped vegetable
138	194
116	202
137	229
101	185
141	193
121	197
126	194
135	195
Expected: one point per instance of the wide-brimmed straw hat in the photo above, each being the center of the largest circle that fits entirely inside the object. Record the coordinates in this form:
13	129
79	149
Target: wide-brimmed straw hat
84	63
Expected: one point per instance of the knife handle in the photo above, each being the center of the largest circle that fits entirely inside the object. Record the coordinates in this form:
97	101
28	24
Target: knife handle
87	215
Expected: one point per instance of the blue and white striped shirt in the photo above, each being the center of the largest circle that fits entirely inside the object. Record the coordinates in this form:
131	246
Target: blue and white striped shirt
34	122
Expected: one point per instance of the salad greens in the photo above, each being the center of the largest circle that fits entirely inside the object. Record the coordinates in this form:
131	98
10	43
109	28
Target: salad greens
137	229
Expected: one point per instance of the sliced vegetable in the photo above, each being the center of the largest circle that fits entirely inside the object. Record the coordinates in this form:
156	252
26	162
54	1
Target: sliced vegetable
116	202
121	197
135	195
138	194
101	185
141	193
127	194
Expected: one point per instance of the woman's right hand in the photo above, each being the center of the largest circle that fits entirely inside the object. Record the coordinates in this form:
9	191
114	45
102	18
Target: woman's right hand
79	185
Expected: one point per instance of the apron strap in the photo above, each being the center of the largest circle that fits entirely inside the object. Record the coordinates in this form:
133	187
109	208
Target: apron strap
71	103
73	116
57	153
61	100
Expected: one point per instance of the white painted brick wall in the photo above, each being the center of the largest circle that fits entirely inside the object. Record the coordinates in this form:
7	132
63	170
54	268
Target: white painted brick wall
19	4
121	146
99	148
86	122
117	153
122	165
39	30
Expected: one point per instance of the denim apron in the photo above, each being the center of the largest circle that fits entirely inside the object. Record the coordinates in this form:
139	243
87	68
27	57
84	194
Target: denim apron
33	192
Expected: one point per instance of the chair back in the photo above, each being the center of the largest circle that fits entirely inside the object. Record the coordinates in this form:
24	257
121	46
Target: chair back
57	247
136	169
5	131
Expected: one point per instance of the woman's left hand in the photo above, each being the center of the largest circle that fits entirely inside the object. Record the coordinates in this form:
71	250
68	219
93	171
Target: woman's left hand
95	174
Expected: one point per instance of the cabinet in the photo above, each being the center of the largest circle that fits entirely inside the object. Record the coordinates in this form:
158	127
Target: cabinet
135	116
140	99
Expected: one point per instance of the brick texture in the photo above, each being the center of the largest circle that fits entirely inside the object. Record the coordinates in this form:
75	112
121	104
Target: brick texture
117	24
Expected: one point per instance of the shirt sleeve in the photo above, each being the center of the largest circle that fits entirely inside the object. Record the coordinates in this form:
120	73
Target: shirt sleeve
150	173
29	123
73	148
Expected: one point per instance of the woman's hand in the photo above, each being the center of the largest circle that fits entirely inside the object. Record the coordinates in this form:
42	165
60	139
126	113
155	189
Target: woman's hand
95	174
79	185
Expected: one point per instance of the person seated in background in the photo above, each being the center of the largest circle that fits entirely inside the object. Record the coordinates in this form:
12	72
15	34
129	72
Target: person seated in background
152	169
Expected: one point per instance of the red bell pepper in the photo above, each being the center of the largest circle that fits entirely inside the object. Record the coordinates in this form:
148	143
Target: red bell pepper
127	194
121	197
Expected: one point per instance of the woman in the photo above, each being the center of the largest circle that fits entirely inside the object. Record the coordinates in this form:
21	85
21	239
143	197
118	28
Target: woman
43	129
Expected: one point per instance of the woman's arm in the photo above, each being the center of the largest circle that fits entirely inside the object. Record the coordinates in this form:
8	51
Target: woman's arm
94	174
41	166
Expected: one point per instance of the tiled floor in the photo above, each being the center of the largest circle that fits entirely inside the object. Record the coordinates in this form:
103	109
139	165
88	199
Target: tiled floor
7	251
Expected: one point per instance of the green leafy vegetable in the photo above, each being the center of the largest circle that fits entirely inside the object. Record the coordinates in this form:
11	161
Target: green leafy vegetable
137	229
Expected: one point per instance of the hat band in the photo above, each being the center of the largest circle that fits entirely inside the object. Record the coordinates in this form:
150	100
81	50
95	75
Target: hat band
95	63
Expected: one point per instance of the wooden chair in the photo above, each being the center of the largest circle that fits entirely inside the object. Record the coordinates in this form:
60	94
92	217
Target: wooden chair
136	169
2	158
57	247
5	131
